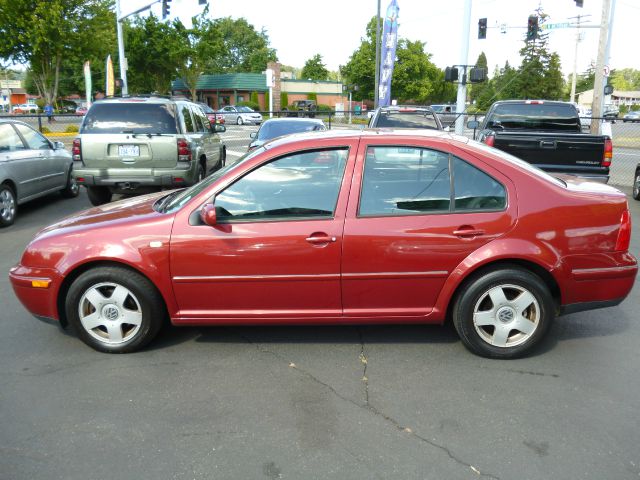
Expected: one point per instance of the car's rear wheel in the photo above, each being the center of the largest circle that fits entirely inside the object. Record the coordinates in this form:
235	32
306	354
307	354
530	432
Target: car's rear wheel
72	188
636	185
7	205
503	313
114	310
223	157
201	172
99	195
239	121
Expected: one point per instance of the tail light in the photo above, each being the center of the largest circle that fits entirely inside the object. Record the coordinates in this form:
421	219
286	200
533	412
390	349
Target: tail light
624	233
608	152
490	140
184	150
76	150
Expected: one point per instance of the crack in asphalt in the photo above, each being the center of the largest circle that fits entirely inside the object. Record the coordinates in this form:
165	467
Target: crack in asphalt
367	407
364	360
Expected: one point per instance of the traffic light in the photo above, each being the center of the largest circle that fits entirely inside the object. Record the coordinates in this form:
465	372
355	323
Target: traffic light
482	28
166	8
450	74
532	28
477	74
579	3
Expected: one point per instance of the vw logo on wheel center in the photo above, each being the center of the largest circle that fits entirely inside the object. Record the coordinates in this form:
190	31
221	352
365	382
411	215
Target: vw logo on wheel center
110	312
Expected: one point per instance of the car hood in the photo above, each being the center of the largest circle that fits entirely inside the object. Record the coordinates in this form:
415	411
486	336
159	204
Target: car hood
130	210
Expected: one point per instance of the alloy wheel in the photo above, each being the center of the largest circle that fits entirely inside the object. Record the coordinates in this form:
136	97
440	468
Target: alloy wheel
7	205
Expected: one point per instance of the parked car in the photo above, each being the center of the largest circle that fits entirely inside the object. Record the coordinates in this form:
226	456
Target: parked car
81	110
636	183
405	116
632	116
277	127
213	116
26	108
341	228
611	112
240	115
143	144
302	108
30	167
548	134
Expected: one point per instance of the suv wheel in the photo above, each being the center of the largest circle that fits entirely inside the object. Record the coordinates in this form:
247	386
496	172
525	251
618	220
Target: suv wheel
223	157
636	185
72	189
99	195
240	121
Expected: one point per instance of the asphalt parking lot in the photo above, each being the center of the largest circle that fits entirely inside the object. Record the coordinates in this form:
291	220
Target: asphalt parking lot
314	402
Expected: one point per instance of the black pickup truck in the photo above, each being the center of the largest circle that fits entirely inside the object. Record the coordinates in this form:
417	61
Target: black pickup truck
546	134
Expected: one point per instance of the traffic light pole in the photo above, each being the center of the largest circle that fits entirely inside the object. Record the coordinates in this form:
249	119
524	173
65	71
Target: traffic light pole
464	56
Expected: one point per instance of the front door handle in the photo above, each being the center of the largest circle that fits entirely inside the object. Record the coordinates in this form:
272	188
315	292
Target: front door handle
466	232
320	238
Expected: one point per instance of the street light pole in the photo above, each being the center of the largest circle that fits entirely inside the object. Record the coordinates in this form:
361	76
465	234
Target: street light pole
121	58
375	103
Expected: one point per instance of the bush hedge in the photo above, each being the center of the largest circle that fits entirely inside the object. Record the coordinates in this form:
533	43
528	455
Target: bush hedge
255	106
284	99
72	129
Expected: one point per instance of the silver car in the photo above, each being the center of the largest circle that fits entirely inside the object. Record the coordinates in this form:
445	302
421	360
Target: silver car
30	166
135	145
240	115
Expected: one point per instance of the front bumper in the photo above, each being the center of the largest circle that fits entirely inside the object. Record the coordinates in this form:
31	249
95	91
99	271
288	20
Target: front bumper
29	286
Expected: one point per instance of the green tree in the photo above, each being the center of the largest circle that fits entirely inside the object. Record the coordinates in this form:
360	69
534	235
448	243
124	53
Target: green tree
153	54
314	69
625	79
44	35
481	91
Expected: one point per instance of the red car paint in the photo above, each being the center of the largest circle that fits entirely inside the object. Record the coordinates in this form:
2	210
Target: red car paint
377	269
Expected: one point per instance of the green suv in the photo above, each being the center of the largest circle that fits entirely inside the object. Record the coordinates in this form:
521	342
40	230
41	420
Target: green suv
143	144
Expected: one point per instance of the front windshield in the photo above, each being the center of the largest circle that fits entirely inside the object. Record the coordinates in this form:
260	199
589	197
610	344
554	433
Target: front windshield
279	128
245	109
184	196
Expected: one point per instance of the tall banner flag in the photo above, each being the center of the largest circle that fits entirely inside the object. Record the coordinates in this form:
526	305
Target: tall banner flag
110	88
87	82
388	56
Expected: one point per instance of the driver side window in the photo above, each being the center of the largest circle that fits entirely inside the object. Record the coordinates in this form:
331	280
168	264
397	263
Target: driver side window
302	185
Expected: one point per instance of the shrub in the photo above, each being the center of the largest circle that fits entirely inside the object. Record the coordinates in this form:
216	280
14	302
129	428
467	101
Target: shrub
254	98
255	106
72	129
45	130
312	96
324	108
284	100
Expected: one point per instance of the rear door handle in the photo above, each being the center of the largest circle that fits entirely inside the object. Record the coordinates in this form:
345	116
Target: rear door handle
468	232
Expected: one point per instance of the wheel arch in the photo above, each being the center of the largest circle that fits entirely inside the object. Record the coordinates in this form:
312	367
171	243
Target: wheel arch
78	270
12	185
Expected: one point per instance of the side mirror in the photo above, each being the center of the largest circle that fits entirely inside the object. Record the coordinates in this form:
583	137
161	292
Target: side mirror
473	124
253	134
208	214
58	146
219	128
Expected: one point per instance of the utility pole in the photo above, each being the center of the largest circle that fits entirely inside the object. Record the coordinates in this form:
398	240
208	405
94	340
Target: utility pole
464	57
598	87
375	103
606	53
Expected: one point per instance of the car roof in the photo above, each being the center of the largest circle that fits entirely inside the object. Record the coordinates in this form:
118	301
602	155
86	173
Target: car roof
387	133
142	99
293	119
544	102
14	120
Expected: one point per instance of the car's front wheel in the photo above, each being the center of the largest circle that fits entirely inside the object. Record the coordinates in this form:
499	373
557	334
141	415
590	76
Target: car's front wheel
99	195
7	206
72	189
503	313
636	185
239	121
114	310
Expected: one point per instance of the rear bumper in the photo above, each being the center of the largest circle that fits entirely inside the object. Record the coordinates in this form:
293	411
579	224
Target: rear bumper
39	301
131	179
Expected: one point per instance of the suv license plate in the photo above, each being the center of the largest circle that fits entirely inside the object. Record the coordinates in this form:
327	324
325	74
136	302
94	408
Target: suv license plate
128	150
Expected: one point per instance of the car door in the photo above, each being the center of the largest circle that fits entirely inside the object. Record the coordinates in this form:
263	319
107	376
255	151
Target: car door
22	164
275	252
47	169
419	212
209	141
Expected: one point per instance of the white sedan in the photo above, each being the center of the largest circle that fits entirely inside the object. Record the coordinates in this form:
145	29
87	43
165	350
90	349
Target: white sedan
240	115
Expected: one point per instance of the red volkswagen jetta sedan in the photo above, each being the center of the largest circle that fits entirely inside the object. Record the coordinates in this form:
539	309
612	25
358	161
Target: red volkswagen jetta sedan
341	228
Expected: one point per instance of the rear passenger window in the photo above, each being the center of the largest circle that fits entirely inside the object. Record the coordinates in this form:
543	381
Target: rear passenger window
405	181
9	139
188	121
475	190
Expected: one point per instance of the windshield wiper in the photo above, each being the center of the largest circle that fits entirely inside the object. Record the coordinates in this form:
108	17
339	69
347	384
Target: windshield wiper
164	201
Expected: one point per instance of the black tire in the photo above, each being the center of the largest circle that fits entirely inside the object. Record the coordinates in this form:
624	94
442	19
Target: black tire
137	301
240	121
99	195
636	185
72	189
223	157
8	205
480	320
202	173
